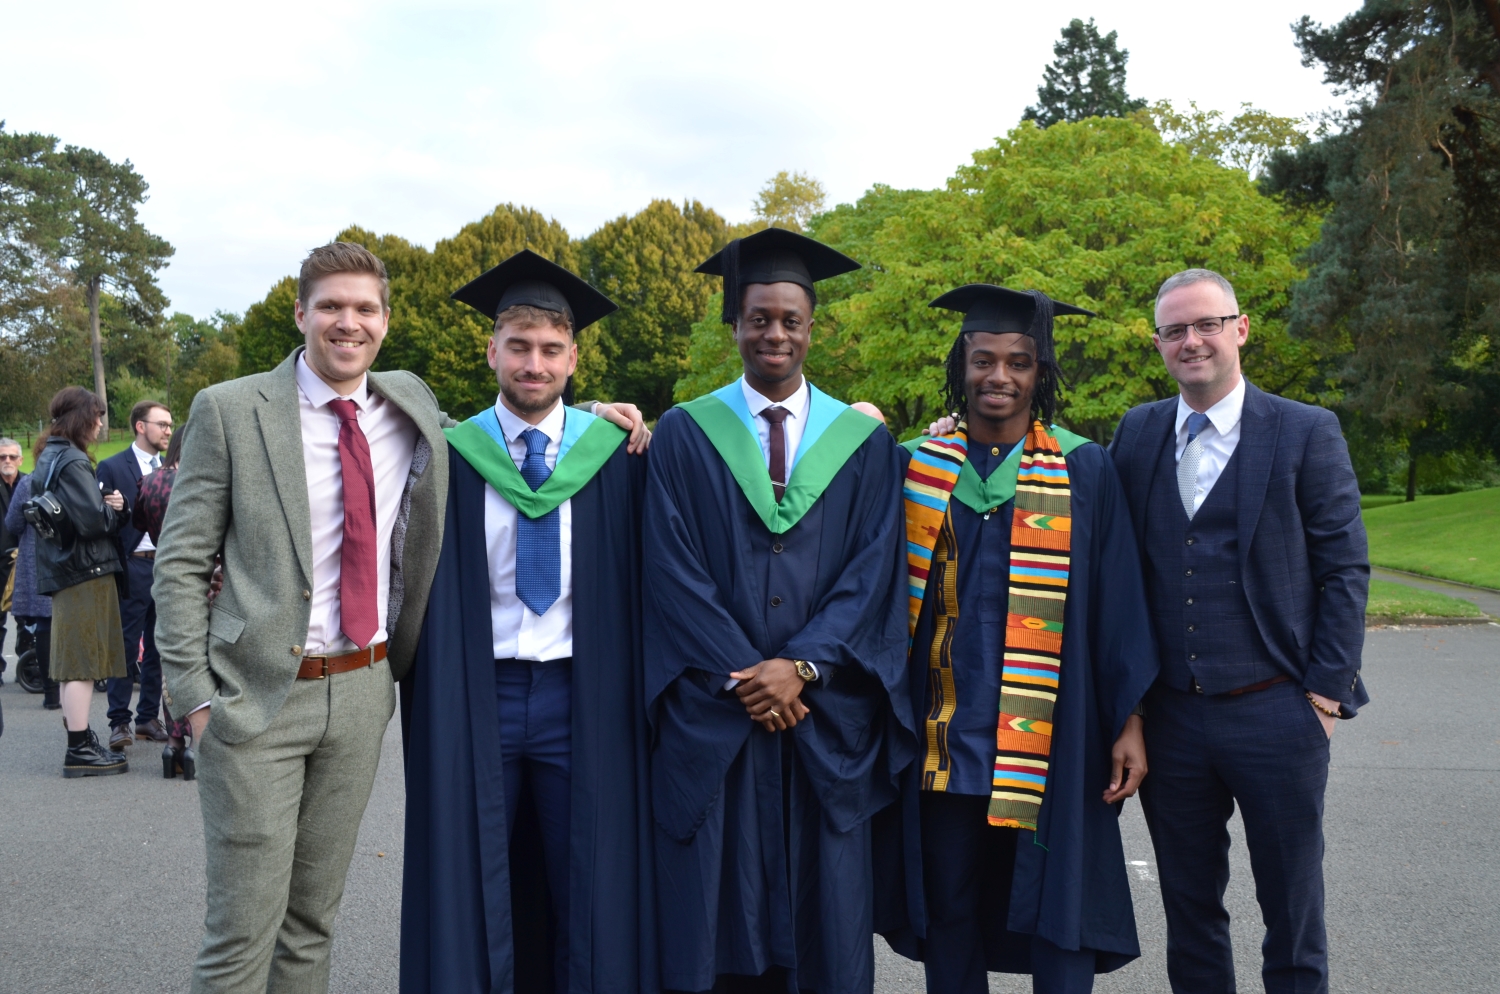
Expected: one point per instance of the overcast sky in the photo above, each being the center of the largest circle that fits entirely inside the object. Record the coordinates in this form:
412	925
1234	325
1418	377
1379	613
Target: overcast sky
264	128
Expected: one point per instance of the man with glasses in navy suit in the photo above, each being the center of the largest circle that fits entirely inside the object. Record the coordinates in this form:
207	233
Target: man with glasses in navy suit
1246	512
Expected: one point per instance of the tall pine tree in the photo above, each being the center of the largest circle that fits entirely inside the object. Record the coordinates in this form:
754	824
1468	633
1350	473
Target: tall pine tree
1405	278
1086	79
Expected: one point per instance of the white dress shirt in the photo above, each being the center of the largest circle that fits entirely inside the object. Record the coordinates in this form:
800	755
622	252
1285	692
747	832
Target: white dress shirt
1220	437
797	407
519	633
143	460
392	437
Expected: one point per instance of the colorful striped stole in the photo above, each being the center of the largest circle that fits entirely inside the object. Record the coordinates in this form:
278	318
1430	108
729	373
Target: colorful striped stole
932	556
1040	547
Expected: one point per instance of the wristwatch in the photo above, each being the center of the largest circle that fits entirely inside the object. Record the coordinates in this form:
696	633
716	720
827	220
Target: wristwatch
805	670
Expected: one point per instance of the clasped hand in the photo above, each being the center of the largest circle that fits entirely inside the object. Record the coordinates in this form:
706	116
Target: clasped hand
771	691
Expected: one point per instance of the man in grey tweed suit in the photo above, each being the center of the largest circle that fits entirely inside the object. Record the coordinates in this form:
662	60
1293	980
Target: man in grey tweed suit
288	675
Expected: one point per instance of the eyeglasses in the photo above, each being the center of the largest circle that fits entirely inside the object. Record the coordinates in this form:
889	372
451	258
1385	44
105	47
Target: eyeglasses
163	425
7	455
1205	327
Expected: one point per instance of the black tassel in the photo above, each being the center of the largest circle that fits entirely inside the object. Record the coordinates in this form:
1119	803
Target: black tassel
730	261
1041	328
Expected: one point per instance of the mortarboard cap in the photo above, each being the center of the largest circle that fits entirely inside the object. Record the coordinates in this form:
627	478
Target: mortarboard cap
527	278
1001	310
773	255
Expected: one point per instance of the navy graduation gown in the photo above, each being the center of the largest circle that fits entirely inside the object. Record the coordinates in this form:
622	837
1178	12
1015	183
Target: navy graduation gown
457	930
1070	884
763	857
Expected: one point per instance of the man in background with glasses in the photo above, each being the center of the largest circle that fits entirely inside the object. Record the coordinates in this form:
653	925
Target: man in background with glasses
124	471
1246	512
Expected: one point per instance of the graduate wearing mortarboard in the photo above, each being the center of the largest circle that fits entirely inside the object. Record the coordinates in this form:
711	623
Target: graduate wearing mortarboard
775	652
527	833
1031	650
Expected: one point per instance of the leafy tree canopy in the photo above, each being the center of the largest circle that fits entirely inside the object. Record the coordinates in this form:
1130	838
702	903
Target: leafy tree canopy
645	264
789	200
1096	213
1086	79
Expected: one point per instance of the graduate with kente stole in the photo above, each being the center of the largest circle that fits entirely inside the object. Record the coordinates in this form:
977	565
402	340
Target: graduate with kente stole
775	652
525	699
1031	649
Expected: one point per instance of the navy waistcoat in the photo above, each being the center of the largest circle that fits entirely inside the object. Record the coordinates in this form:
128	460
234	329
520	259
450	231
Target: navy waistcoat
1202	618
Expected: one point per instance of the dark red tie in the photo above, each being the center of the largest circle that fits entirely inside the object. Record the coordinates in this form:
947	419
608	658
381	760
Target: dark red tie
359	570
775	416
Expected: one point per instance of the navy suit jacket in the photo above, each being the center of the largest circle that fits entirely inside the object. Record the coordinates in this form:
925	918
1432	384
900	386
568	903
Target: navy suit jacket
1304	560
122	472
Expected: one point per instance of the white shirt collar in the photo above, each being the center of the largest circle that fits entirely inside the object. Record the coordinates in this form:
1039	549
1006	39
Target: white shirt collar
514	426
319	393
141	455
796	405
1223	416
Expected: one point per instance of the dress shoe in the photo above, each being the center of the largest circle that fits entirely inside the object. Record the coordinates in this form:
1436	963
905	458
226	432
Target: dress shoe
90	759
120	738
153	730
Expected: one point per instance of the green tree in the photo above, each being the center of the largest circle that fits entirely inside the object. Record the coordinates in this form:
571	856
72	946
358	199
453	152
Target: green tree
107	247
789	200
1246	141
1406	272
268	333
1086	79
645	264
1096	213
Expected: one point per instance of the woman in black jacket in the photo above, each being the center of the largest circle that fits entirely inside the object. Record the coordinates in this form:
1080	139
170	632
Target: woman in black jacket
78	567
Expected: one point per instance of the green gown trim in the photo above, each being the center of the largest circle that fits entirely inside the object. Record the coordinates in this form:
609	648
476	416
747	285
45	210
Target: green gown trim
575	468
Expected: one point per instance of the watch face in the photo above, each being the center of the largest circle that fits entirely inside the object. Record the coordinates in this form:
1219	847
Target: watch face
805	670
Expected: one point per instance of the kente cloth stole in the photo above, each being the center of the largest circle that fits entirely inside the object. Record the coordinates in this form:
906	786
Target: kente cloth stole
932	559
1039	563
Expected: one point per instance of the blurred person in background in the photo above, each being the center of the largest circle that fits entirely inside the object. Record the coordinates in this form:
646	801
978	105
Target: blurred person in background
79	567
32	611
146	515
124	471
10	476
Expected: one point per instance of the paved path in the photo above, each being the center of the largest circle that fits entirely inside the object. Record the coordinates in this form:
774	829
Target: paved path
101	880
1487	601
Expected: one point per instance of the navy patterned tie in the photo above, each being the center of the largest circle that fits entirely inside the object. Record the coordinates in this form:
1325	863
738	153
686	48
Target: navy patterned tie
538	540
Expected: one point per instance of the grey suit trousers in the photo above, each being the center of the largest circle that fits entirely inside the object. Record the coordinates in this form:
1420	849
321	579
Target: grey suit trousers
281	814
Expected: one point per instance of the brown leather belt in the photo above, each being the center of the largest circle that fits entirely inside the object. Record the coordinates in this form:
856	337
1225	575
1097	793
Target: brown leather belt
1252	688
319	667
148	554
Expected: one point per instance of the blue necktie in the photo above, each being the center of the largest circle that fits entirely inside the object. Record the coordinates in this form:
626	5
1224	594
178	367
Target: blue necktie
538	540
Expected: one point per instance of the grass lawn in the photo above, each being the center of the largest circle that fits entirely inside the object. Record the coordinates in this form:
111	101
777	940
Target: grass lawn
1396	600
101	450
1455	536
1367	501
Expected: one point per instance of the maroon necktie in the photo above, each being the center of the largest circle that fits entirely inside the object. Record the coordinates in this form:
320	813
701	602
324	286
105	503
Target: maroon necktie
775	416
359	577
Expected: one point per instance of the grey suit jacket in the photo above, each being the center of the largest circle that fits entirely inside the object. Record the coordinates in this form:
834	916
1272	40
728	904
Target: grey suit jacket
241	490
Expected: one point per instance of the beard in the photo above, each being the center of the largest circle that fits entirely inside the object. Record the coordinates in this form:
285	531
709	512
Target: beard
533	403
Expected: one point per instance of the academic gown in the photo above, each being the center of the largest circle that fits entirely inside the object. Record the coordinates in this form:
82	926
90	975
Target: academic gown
1069	884
456	923
762	856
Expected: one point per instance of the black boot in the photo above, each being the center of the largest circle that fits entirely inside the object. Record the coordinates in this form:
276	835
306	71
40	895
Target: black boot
170	760
189	764
87	758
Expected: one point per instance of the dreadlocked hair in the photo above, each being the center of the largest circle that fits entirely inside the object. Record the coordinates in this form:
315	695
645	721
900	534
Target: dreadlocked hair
1043	400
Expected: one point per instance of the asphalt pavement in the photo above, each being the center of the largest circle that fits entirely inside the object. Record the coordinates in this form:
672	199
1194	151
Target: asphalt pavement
102	879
